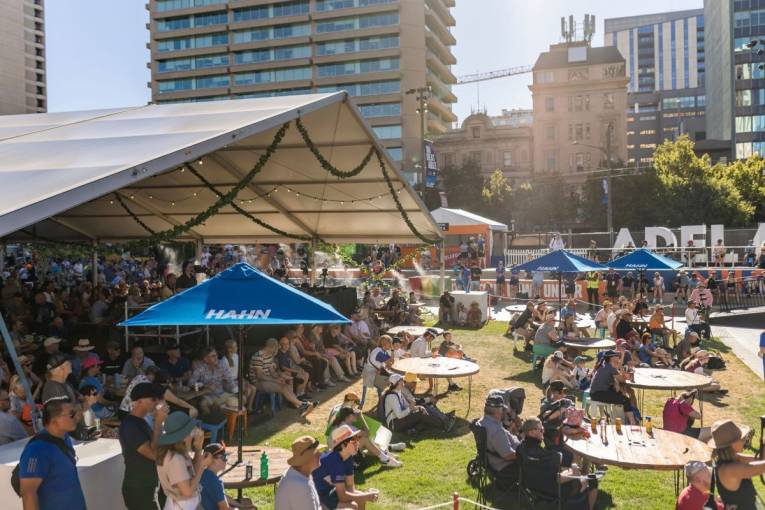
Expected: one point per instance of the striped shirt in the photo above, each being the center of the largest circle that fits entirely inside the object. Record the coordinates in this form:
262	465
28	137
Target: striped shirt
263	361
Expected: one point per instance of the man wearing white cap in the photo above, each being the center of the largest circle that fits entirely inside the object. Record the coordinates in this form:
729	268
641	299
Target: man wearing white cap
334	477
400	416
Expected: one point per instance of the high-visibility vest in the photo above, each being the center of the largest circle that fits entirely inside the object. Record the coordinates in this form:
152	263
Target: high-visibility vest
592	280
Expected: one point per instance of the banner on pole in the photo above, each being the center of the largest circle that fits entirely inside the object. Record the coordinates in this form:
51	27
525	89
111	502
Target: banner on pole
431	165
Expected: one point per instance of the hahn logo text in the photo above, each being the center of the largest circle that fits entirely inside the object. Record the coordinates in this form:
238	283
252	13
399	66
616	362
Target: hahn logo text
238	314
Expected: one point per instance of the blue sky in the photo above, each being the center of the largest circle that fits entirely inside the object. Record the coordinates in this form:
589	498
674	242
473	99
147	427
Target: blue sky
97	48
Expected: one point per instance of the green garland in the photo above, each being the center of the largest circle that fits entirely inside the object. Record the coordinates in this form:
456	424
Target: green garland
400	208
132	214
223	200
246	213
326	165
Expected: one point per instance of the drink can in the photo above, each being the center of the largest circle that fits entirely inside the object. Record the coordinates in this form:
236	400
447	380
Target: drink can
248	471
618	425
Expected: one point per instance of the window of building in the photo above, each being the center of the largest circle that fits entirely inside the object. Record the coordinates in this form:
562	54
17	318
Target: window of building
387	132
552	160
507	158
198	20
475	157
185	64
186	43
357	45
396	153
271	11
169	5
358	22
380	110
579	132
476	131
549	104
358	67
448	158
270	33
608	101
647	131
331	5
272	54
205	82
550	133
273	76
488	157
371	88
647	145
543	77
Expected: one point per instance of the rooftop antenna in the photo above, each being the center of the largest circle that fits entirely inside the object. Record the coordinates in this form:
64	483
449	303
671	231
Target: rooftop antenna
589	27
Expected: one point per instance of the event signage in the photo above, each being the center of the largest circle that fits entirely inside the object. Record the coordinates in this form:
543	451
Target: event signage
694	234
431	165
547	268
636	266
234	314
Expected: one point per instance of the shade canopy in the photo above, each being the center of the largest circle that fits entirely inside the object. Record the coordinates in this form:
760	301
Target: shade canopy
66	175
644	260
560	261
463	217
240	295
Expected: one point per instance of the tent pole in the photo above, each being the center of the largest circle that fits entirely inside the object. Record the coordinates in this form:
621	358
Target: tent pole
198	251
241	395
314	247
20	371
442	264
94	262
560	294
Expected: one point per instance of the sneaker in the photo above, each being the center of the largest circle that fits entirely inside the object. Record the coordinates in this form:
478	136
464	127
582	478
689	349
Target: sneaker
305	408
454	387
392	462
397	447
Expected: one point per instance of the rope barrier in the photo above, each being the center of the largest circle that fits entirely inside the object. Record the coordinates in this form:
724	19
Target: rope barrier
455	504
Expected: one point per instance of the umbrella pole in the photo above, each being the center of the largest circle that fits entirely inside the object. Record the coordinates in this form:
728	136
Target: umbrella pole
560	294
241	395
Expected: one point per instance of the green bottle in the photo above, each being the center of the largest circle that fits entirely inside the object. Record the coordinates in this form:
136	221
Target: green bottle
264	466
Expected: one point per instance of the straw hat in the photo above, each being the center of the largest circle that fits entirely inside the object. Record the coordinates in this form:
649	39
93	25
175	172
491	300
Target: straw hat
303	449
83	345
725	433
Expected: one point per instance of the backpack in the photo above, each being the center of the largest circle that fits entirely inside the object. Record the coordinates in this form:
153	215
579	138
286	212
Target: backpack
716	362
60	444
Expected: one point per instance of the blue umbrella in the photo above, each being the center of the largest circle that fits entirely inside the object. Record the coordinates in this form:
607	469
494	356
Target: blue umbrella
644	260
560	261
239	296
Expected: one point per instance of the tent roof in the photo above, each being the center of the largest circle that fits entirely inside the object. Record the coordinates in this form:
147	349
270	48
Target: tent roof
560	261
463	217
643	259
60	173
239	295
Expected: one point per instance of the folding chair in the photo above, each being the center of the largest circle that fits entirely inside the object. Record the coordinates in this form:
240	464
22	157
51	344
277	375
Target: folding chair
539	480
479	472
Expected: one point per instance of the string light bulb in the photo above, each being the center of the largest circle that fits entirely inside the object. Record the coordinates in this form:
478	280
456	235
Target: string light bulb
200	162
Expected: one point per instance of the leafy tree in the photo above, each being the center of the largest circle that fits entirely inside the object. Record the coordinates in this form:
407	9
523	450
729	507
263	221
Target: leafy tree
496	195
463	185
746	176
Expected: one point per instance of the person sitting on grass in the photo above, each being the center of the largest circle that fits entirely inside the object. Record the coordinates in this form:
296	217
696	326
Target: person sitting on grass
351	417
445	305
557	368
400	415
500	443
582	374
575	493
334	478
429	403
679	414
474	316
462	315
685	347
696	364
650	354
695	495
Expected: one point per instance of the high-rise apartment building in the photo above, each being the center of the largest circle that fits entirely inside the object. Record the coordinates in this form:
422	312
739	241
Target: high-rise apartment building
577	93
22	57
377	50
736	97
665	60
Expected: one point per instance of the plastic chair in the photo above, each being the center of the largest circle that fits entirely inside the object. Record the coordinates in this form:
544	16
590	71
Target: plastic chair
585	398
275	398
540	352
213	429
232	418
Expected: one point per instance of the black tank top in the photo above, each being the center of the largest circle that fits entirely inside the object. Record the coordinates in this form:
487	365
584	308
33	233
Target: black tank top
742	499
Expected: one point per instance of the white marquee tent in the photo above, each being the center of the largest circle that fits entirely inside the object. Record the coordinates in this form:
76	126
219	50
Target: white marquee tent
86	176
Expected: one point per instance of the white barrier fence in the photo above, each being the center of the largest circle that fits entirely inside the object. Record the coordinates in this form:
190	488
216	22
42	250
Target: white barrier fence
734	255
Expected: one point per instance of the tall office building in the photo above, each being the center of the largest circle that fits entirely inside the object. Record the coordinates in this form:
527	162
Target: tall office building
377	50
22	57
736	97
666	70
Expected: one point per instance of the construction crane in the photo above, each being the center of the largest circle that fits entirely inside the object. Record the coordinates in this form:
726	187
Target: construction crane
493	75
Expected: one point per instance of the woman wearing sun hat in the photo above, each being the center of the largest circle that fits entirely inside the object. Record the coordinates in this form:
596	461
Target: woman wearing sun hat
734	471
178	473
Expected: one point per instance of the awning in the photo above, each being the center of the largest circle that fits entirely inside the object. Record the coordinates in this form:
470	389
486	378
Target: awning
462	217
644	260
117	175
560	261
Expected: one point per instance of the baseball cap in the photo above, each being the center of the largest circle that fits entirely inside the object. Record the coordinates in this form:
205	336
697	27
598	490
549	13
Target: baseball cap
91	361
51	340
495	401
55	361
557	385
215	449
610	354
432	332
395	378
580	359
558	355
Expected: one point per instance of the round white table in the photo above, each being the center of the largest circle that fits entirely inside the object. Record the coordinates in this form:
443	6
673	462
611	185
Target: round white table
668	379
592	343
412	330
439	367
515	308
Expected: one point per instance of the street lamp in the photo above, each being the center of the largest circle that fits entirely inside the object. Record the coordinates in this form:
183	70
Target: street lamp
422	96
609	203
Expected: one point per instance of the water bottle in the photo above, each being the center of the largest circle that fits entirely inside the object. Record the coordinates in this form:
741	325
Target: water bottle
264	466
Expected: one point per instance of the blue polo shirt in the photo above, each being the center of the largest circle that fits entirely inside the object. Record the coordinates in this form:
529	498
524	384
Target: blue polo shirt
177	370
333	470
60	487
212	490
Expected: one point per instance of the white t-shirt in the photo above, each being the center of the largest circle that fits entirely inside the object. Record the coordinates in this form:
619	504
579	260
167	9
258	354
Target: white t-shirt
419	348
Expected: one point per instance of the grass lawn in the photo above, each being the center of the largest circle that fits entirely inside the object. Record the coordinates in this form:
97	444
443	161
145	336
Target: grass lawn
434	465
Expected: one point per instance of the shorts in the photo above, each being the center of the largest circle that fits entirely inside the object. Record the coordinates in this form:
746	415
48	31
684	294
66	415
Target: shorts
223	399
330	500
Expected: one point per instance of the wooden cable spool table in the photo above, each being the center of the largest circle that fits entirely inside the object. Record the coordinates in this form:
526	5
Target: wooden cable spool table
439	368
234	477
593	343
668	379
633	448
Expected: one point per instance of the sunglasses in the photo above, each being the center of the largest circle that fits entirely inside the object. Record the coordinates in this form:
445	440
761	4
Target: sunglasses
311	447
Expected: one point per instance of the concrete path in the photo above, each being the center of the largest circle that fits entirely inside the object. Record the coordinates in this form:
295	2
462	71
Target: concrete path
742	335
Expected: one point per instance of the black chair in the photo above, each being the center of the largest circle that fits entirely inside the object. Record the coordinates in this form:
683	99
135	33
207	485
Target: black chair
480	474
539	479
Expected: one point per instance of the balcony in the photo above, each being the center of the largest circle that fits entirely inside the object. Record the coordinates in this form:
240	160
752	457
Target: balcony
443	90
433	21
434	64
439	48
435	105
436	126
443	12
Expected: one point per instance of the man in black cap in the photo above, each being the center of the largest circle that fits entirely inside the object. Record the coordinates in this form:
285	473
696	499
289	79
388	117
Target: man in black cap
604	384
139	446
500	443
